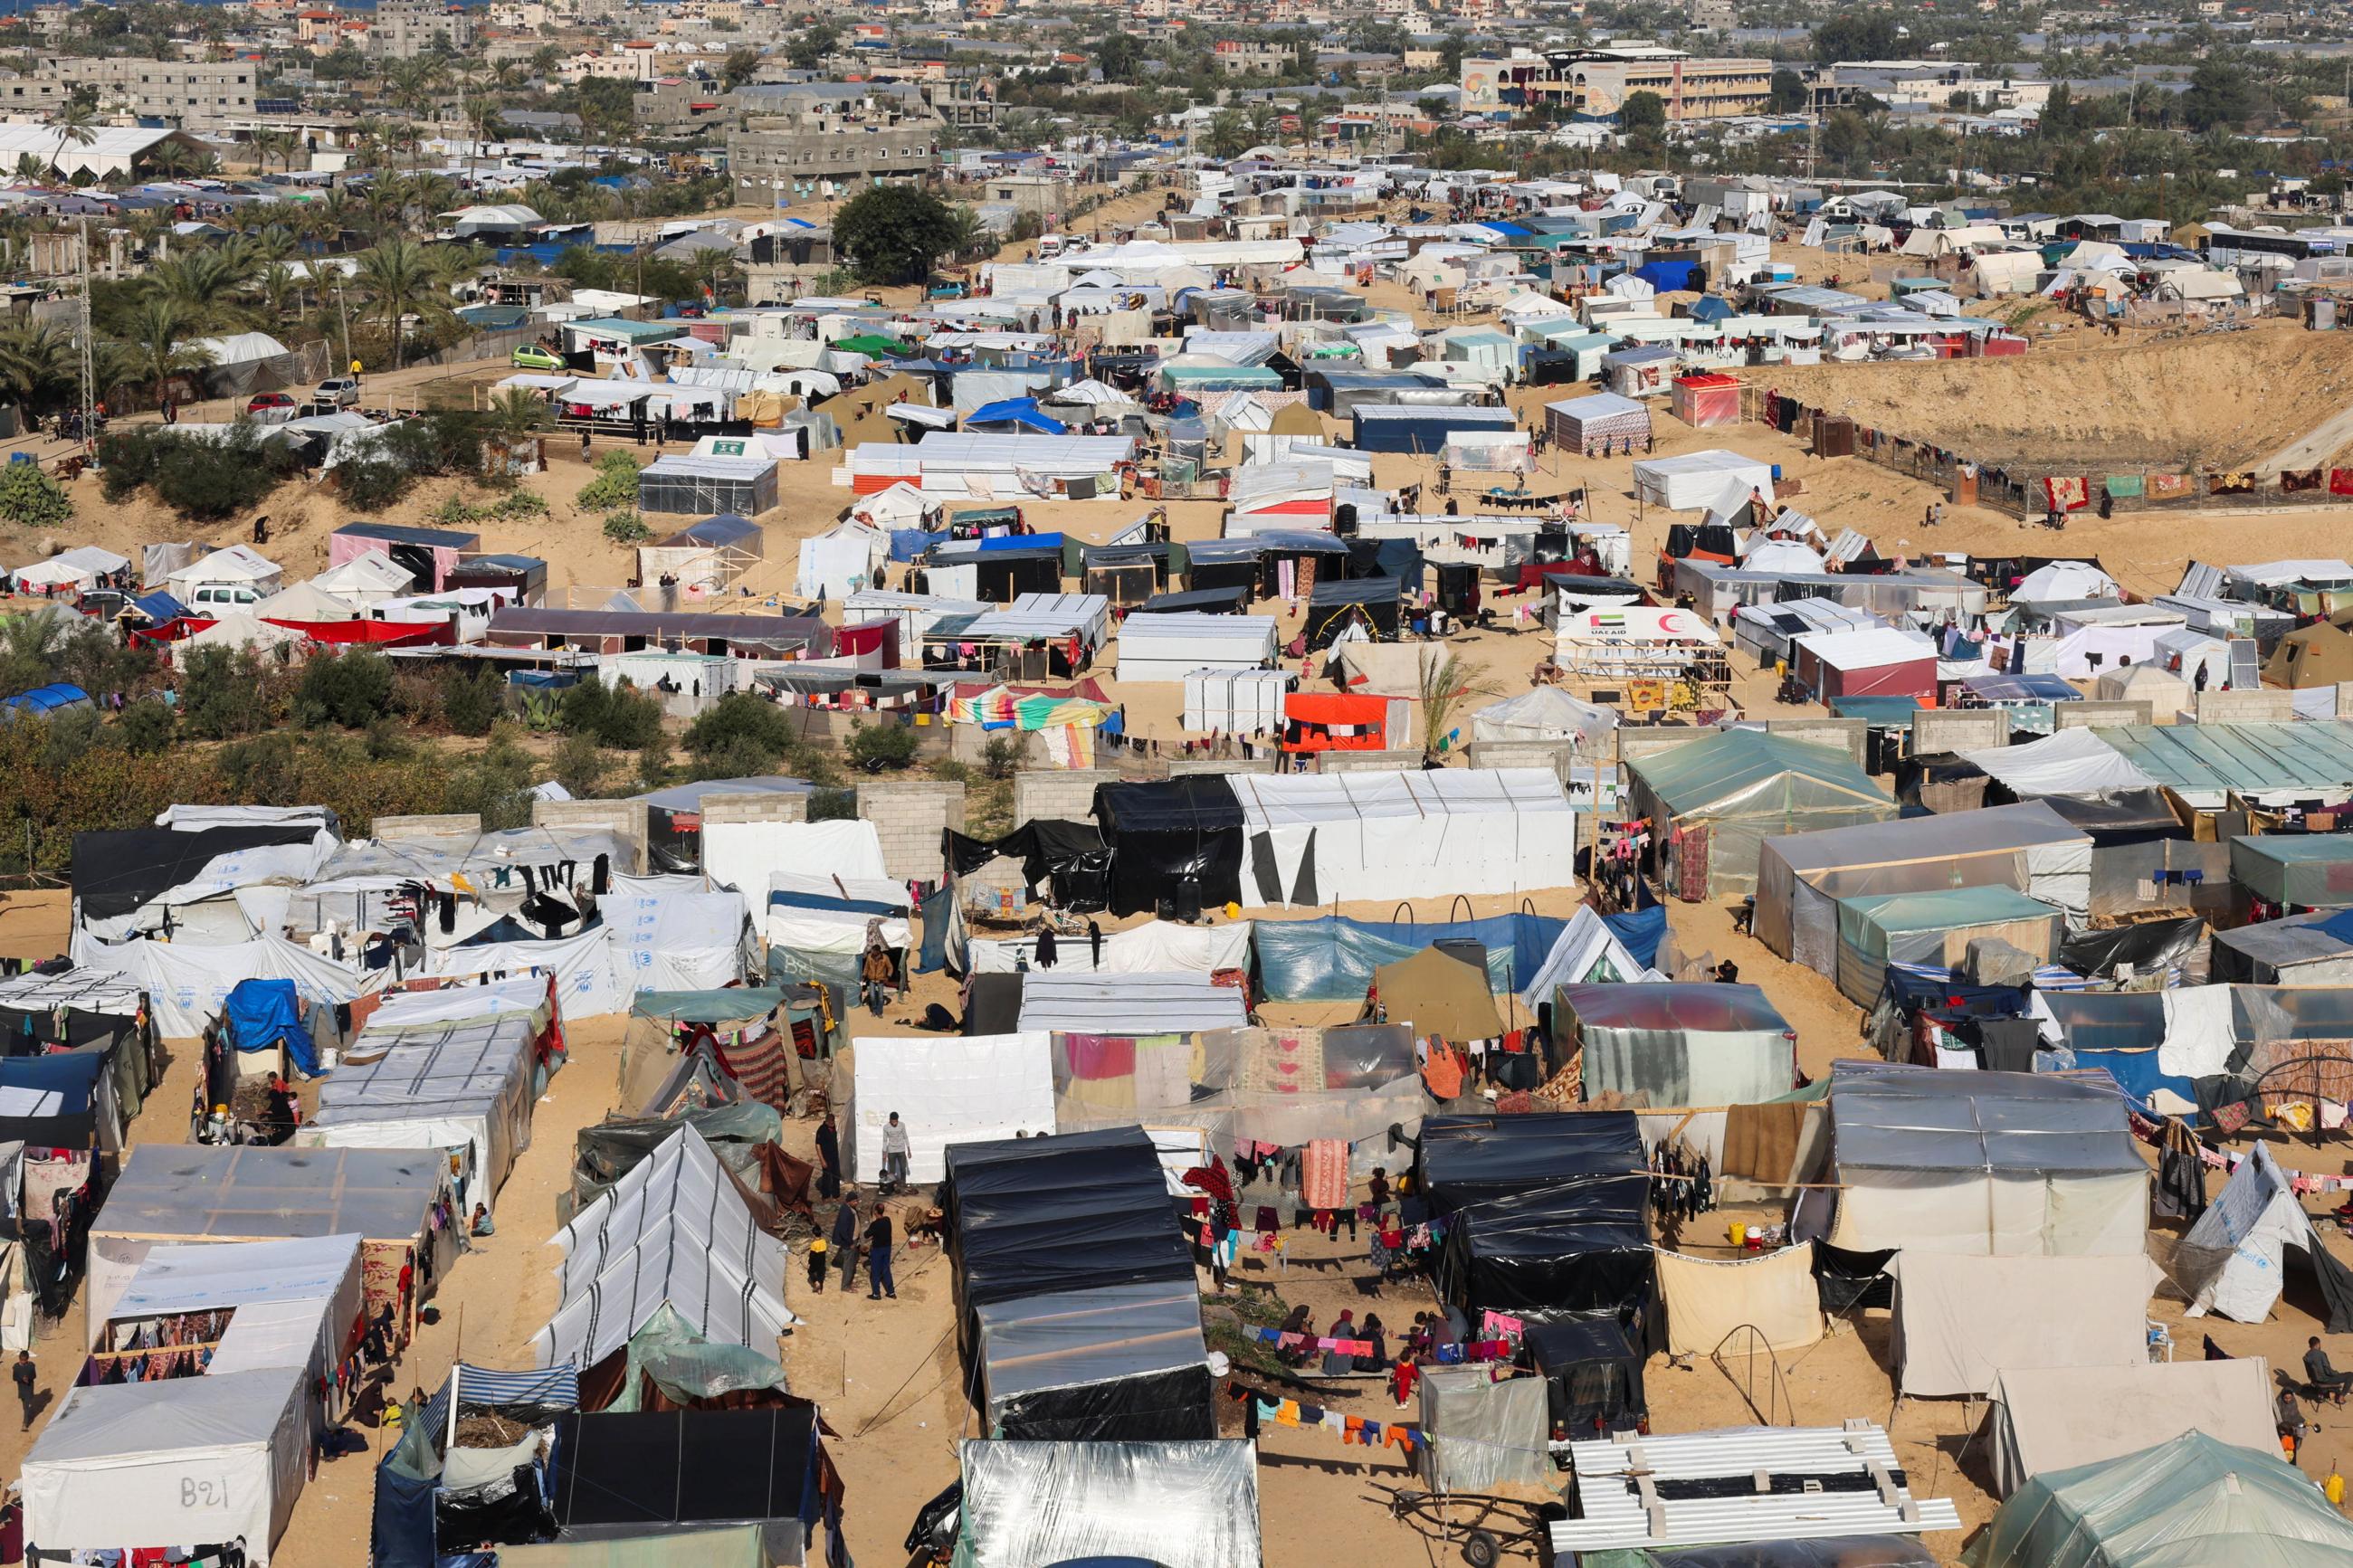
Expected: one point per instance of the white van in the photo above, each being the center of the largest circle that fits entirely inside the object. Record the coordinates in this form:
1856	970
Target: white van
1050	245
221	597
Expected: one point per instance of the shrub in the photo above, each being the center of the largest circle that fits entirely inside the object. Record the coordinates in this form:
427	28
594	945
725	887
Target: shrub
615	484
1000	756
614	717
211	481
832	804
222	694
349	689
146	726
626	528
30	499
579	765
127	460
471	700
880	748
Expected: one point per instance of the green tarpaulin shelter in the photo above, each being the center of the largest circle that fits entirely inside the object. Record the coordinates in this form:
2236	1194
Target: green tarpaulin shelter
1715	802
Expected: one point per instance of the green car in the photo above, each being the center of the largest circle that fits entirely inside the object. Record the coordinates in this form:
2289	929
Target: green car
530	356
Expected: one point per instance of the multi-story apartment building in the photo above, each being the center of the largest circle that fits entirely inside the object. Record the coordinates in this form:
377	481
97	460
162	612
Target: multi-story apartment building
1236	57
404	29
1595	83
820	138
191	96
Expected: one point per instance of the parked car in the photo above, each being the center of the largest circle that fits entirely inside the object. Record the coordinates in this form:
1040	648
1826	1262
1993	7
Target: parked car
531	356
341	392
271	408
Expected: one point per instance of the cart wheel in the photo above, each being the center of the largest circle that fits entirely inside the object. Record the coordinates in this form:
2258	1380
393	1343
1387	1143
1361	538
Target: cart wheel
1482	1549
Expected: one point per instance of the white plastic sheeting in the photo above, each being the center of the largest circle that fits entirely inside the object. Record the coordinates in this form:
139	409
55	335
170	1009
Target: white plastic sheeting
1960	1321
2234	1259
187	985
810	927
1155	946
1317	839
1130	1002
675	1231
746	855
2200	1032
947	1089
1479	1434
1693	480
586	969
1177	1505
1586	952
1171	646
1547	713
436	1087
1235	702
2073	761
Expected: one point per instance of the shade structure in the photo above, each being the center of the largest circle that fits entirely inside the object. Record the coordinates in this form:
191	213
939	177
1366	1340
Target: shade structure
674	1232
1177	1505
1170	647
1318	838
1119	1363
1478	1435
2180	1504
2048	1419
1960	1321
1547	1218
1980	1162
2315	949
2071	762
1680	1045
1933	929
1728	794
947	1089
1802	877
1710	1300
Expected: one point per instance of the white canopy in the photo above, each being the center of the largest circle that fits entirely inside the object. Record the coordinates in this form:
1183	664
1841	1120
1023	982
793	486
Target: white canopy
2073	761
675	1231
1693	480
1318	837
1961	1321
747	855
1545	713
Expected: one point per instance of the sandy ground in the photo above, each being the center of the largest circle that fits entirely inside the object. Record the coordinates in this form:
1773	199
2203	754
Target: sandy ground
885	1371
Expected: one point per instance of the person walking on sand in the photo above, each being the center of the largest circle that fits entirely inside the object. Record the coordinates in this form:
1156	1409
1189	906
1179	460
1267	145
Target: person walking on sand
828	1156
25	1373
895	1152
845	1237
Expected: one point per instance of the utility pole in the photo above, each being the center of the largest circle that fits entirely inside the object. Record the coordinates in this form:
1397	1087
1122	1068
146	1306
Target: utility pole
343	310
89	361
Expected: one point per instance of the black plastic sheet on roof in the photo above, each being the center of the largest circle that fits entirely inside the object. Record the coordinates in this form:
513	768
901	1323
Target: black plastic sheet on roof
618	1475
2151	945
1576	1249
1474	1158
115	873
2119	816
1203	601
1041	1215
1067	858
1593	1371
1179	842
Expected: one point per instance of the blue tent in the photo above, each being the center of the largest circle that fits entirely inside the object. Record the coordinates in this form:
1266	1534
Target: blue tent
159	607
1014	413
43	701
262	1014
1640	931
67	1121
1708	308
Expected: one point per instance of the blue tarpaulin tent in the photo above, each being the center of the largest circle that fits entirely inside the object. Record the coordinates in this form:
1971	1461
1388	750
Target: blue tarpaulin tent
262	1014
1333	959
43	701
1012	415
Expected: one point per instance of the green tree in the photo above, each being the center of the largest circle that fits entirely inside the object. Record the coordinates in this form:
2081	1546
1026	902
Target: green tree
146	726
349	689
807	51
608	107
1642	114
737	69
1228	135
739	736
880	748
2222	94
1121	56
471	701
39	371
221	694
892	234
159	346
1857	36
2058	111
580	766
1790	95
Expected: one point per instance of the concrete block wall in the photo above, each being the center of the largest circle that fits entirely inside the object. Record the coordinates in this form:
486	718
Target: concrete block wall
909	816
624	818
1174	766
1958	729
1553	754
1850	734
449	825
760	807
2104	715
1636	742
1066	794
2257	705
1368	762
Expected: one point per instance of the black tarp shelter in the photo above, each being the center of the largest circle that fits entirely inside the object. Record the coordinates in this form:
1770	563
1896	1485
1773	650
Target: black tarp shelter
1548	1214
1177	844
1370	603
619	1475
115	873
1592	1373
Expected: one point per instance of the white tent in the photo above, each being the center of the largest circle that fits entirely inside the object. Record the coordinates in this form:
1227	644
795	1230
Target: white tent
2055	1418
2234	1259
947	1089
234	630
1131	1002
218	1456
898	506
1695	479
81	567
1317	837
677	942
585	969
813	912
1235	702
1171	646
1156	947
232	566
840	560
1961	1321
2059	581
1586	952
306	602
366	580
187	982
675	1231
747	855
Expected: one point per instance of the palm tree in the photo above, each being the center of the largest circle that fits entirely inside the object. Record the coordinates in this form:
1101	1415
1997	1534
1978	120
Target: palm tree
279	144
38	365
1228	135
171	159
403	278
280	292
714	269
158	344
204	286
968	234
30	169
76	124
